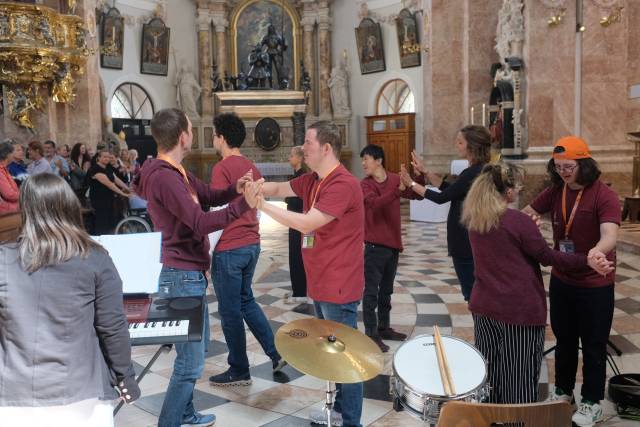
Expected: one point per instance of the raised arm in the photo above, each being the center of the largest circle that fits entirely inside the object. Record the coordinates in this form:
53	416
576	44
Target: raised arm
278	189
304	223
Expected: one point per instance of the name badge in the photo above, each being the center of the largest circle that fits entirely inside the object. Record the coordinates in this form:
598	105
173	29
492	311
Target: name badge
308	241
567	246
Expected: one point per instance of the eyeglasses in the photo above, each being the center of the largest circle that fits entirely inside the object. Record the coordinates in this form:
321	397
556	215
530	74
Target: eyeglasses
565	168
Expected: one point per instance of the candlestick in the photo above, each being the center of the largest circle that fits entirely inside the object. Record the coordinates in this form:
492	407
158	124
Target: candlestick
471	115
484	114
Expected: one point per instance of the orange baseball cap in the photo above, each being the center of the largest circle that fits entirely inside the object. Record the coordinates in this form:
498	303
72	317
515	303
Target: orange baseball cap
571	148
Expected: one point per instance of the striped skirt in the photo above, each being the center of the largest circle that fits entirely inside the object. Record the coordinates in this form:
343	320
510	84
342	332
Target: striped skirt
514	355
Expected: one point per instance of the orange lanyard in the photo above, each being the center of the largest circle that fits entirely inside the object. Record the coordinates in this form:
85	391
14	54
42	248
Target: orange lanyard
316	190
567	225
180	168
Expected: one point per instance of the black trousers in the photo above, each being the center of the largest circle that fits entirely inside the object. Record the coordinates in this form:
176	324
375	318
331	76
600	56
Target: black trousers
380	265
296	265
583	314
514	356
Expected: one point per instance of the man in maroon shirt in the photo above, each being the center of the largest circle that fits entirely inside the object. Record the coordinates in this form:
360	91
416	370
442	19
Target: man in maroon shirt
585	216
234	261
382	243
332	227
175	198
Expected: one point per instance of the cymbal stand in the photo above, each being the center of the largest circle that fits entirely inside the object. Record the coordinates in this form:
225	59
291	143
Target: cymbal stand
328	404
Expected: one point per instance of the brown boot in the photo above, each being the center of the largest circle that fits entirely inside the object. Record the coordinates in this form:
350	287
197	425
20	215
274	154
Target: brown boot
390	334
383	347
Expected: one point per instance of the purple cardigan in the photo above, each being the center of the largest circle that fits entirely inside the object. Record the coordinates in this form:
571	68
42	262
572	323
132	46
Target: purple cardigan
508	285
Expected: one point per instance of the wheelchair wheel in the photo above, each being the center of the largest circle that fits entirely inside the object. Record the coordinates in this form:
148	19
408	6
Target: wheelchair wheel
133	224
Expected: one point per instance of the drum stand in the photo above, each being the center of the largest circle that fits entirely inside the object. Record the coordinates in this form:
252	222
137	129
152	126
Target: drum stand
328	404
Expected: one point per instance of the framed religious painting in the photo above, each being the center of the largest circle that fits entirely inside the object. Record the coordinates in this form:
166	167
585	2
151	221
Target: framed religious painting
155	48
408	41
112	39
370	49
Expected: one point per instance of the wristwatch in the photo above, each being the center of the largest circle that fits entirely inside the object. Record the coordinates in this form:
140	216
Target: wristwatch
413	184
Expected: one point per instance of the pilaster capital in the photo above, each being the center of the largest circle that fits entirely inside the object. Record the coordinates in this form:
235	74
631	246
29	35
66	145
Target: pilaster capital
307	22
203	20
220	22
324	17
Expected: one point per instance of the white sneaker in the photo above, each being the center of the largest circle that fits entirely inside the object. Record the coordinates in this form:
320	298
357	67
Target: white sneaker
319	416
288	299
559	394
587	414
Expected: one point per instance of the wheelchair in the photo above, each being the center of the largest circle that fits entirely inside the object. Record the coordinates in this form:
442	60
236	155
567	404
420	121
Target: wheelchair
136	220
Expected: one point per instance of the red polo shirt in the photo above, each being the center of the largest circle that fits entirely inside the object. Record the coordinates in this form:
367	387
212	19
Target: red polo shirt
335	264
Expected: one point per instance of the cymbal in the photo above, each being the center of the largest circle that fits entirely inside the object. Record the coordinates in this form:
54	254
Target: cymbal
329	350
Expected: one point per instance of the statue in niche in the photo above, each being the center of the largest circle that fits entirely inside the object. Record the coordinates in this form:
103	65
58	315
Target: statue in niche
45	32
260	70
510	31
275	45
188	91
62	86
19	107
5	31
339	87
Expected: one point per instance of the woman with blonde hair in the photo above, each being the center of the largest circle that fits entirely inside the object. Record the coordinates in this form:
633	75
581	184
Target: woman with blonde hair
508	302
64	342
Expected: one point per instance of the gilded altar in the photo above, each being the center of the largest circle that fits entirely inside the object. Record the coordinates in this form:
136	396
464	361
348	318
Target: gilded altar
42	53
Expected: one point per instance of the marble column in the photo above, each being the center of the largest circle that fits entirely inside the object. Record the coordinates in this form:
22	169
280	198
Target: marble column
221	24
309	60
324	36
204	61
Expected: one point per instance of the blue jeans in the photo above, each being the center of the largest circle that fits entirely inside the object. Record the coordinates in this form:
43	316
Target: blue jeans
232	273
465	272
189	363
348	396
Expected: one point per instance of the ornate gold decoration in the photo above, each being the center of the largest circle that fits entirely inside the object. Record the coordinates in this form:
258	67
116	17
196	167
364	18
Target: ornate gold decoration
39	46
611	11
557	10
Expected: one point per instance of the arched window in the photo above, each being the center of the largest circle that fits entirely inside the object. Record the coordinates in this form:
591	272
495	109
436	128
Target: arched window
395	97
131	101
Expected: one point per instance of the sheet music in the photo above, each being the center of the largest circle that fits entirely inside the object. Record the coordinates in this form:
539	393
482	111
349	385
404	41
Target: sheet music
137	259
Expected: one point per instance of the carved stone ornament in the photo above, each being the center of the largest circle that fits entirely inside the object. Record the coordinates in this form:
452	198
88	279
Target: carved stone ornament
38	46
510	31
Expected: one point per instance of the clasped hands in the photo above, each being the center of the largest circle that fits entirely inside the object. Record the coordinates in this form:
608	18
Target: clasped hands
418	169
598	261
251	190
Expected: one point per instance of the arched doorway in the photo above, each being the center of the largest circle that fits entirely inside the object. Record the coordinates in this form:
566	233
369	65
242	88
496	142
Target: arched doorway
395	97
131	111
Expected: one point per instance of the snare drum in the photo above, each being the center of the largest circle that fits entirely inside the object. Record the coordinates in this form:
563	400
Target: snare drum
416	384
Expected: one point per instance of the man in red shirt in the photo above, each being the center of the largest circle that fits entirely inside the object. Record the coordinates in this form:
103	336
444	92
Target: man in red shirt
332	227
382	243
175	198
234	261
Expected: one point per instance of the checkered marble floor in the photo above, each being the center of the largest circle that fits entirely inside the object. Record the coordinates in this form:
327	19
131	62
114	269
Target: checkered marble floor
426	293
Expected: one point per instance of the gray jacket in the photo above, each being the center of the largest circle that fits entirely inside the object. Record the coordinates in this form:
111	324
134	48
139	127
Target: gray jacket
63	333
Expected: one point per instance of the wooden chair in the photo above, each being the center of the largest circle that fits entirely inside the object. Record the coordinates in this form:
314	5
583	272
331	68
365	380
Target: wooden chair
543	414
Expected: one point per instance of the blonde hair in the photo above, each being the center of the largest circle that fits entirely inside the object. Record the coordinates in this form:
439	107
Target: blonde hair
485	202
52	230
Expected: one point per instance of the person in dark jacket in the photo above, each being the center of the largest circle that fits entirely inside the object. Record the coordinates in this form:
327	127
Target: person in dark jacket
473	143
296	264
507	250
64	340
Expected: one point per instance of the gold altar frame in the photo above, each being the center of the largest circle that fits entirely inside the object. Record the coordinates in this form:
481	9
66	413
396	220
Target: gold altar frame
297	37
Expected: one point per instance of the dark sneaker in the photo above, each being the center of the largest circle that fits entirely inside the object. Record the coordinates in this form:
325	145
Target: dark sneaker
226	379
383	347
277	365
391	335
199	420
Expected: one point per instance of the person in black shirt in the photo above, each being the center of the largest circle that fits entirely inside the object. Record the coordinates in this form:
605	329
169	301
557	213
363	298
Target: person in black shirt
296	265
103	186
473	143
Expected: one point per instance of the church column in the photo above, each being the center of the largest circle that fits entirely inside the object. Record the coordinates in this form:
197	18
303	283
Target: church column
308	21
221	24
204	60
324	35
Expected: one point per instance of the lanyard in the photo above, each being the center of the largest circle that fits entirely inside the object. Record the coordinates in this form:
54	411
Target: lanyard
180	168
316	190
567	225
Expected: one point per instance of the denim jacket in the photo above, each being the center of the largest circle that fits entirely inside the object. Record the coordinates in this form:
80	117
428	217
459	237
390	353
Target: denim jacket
63	333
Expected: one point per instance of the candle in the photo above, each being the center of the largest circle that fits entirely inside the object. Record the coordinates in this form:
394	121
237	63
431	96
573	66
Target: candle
471	115
484	114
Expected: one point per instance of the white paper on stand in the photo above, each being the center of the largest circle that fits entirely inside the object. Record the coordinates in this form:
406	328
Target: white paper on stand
137	259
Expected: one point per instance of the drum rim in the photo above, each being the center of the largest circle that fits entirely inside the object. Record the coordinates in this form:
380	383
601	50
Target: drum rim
446	397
